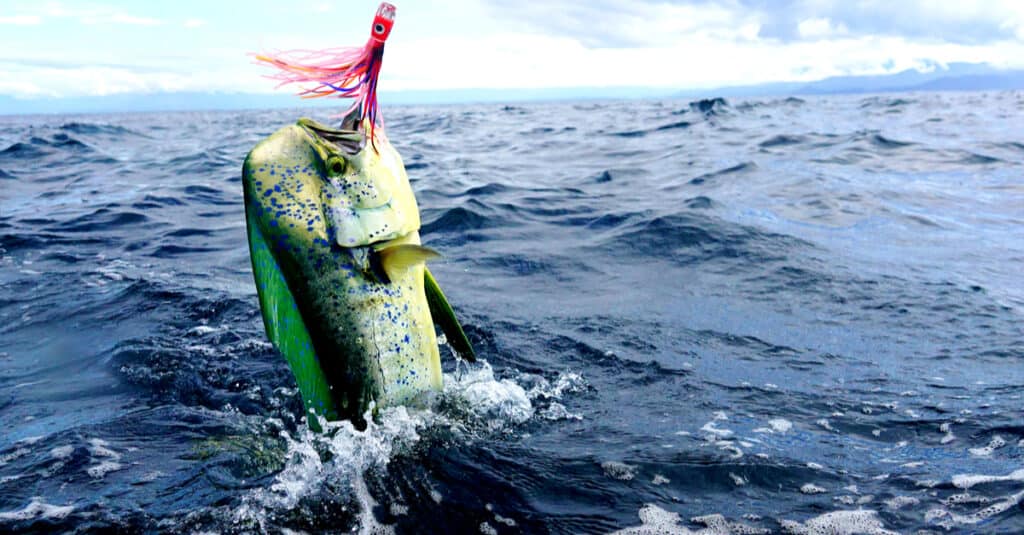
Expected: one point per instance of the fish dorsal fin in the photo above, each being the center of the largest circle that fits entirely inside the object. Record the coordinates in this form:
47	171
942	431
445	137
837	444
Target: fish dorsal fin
286	328
397	259
444	317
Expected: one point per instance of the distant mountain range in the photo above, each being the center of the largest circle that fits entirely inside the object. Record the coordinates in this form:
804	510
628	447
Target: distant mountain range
245	101
954	77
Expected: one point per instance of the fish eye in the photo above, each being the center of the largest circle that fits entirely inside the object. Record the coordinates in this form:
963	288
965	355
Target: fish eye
378	28
335	165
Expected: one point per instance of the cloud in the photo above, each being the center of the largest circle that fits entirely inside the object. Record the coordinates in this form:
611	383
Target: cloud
21	88
625	24
21	20
112	17
702	43
89	14
497	44
71	62
976	22
518	60
820	28
632	23
105	81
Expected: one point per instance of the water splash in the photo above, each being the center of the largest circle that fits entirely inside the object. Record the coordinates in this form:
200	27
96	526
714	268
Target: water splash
335	463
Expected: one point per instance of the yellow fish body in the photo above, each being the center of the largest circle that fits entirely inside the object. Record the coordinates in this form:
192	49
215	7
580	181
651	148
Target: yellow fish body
346	297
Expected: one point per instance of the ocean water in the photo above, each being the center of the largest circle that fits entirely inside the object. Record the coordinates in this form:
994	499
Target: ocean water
753	316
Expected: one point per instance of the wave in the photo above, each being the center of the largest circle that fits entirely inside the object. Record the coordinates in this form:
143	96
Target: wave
710	107
85	128
714	299
782	140
100	220
458	220
24	151
980	159
883	142
714	176
885	102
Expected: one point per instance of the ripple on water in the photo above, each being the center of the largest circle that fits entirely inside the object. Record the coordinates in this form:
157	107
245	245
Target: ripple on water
762	294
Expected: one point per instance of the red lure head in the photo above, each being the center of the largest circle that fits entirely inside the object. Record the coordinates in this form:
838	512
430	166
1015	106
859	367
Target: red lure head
383	22
347	73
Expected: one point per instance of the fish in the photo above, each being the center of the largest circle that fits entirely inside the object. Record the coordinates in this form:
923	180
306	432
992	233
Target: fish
340	270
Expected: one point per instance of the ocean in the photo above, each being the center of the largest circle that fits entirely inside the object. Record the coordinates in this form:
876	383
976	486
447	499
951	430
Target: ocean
796	315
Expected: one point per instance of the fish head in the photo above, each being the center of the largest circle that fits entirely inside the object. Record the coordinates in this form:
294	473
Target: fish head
316	183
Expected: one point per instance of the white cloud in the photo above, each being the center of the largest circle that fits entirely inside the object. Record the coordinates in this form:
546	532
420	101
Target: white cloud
19	87
321	7
21	20
819	28
104	81
86	14
974	21
603	43
512	60
119	18
123	18
628	24
517	60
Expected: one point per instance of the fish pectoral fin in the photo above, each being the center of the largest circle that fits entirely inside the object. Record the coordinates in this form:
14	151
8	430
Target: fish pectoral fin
286	328
397	259
444	317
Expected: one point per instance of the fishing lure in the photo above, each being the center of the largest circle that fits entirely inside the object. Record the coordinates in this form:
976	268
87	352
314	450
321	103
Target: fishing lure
345	72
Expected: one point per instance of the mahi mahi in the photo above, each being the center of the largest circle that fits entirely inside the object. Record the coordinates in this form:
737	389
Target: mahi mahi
346	297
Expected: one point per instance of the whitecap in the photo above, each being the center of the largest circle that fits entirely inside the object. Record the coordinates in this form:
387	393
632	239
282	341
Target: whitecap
710	429
948	519
811	488
619	470
899	502
18	453
949	436
966	481
995	443
862	521
780	425
105	459
657	521
62	452
38	508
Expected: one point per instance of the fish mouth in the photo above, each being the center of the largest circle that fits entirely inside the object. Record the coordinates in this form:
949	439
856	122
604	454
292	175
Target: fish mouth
345	139
358	227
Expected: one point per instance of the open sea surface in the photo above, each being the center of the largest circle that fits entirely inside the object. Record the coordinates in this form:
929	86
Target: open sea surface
754	316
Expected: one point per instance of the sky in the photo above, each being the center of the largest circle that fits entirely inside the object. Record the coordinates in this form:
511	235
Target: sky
96	48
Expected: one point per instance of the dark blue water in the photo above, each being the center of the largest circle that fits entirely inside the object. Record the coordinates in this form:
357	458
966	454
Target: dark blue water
753	316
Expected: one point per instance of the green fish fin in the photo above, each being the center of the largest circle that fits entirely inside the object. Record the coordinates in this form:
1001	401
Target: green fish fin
444	316
397	259
286	329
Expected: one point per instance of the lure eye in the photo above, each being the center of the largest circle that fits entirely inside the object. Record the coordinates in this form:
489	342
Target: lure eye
378	28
